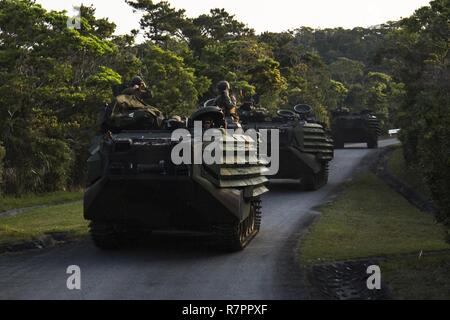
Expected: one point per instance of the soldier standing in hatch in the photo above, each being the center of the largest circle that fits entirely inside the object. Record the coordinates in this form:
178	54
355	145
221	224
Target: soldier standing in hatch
137	88
131	111
227	102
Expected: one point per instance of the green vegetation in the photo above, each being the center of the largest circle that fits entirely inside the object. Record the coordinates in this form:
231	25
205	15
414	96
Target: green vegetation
418	55
415	278
371	220
34	224
2	156
408	173
32	200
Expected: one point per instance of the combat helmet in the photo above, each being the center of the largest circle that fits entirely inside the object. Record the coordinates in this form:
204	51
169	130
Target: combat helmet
136	81
223	86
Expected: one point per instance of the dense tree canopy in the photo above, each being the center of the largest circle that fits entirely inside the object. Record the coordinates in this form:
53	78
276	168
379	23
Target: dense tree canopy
52	80
418	54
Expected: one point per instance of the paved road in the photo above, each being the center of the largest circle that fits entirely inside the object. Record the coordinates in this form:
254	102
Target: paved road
180	267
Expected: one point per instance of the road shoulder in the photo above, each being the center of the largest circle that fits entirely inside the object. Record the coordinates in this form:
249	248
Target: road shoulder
42	227
369	223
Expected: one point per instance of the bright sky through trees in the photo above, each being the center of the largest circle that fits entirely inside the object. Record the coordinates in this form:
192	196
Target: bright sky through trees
265	15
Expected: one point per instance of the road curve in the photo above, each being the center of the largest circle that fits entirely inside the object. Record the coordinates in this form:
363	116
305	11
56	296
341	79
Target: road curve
181	267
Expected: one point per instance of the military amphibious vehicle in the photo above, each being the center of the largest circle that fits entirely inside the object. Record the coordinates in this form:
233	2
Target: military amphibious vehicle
305	147
134	186
363	127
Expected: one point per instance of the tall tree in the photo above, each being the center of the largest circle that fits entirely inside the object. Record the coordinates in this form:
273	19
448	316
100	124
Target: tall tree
418	53
53	82
160	21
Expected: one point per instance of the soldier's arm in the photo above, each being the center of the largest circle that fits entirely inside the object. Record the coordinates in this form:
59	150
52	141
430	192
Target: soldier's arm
230	102
129	91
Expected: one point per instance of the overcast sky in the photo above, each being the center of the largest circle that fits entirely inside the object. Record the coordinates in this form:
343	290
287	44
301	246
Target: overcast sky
265	15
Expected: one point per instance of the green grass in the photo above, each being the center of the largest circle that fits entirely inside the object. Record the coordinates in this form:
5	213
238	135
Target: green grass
33	224
414	278
9	203
370	219
410	176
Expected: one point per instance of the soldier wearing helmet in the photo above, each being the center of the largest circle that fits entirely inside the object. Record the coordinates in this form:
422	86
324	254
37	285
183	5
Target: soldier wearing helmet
130	111
137	88
226	102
